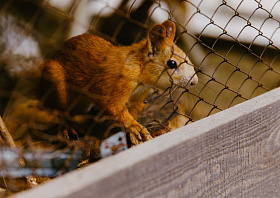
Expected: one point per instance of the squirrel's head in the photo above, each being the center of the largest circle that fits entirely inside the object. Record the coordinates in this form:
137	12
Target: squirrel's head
165	61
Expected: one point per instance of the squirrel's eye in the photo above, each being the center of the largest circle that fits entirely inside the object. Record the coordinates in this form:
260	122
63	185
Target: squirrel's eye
172	64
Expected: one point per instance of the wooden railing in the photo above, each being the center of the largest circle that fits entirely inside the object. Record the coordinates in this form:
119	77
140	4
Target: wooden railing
234	153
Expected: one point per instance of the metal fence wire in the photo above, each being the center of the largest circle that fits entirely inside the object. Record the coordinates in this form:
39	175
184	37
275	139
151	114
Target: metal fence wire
232	45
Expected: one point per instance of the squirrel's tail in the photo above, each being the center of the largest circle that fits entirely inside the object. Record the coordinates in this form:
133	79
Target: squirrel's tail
53	85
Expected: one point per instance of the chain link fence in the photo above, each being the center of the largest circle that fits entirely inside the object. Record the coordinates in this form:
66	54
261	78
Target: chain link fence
232	45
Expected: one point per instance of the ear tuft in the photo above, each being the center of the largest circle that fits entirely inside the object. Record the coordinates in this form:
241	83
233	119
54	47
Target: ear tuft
170	30
157	33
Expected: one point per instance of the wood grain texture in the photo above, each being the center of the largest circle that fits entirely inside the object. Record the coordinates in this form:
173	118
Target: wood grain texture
234	153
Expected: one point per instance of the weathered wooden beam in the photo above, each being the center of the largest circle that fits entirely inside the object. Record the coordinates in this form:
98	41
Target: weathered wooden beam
234	153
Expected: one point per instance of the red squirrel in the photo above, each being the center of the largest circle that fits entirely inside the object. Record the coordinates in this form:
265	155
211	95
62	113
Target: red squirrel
117	79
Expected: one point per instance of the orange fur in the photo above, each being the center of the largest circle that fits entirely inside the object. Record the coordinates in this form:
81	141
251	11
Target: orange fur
117	79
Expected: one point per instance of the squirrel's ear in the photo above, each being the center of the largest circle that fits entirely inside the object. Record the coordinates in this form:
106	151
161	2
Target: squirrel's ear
160	35
170	30
156	38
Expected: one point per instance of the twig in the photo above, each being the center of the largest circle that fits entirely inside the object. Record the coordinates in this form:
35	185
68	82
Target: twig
5	135
8	140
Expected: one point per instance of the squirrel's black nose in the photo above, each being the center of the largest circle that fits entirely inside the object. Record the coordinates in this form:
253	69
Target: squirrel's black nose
194	80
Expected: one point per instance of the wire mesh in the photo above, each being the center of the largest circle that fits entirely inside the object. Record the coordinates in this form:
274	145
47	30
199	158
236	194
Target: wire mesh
232	45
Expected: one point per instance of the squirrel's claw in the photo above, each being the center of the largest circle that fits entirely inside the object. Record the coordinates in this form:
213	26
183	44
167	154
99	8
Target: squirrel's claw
65	134
147	136
133	140
73	132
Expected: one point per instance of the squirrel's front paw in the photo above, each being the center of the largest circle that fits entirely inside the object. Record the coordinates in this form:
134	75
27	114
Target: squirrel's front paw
138	133
67	133
71	130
